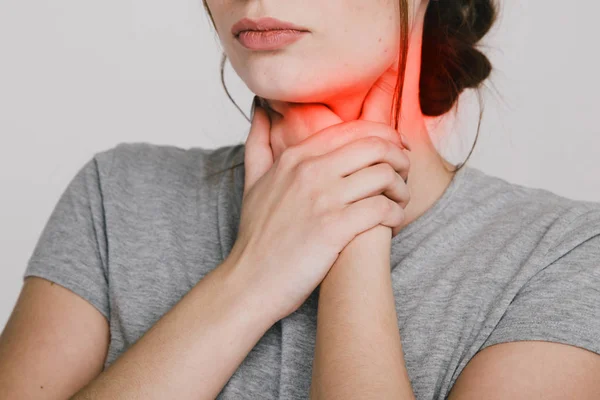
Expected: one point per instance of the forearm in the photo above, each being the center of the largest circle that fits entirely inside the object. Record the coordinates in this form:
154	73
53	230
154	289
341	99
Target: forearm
358	351
192	351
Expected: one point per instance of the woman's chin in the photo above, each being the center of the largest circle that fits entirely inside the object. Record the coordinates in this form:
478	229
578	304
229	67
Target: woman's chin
290	95
322	95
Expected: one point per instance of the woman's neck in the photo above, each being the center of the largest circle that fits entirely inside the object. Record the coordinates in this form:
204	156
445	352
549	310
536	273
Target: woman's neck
429	174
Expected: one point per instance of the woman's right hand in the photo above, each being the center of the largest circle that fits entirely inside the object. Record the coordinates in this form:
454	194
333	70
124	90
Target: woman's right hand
300	210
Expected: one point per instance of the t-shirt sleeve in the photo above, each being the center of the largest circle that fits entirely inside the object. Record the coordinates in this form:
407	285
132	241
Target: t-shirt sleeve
561	302
72	248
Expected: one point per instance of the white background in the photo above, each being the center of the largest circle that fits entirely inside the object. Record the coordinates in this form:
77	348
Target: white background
79	77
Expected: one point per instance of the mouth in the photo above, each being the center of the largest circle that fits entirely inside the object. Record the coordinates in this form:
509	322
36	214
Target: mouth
269	40
264	24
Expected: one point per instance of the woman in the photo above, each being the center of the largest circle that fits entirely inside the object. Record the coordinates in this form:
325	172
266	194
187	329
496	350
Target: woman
205	273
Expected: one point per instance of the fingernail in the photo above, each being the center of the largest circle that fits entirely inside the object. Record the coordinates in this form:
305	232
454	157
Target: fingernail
254	104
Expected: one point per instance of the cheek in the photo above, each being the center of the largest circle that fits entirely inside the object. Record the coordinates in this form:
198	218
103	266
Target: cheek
366	38
363	46
359	55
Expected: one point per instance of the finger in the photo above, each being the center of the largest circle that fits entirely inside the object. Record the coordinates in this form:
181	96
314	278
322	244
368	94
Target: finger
398	193
378	103
307	117
258	157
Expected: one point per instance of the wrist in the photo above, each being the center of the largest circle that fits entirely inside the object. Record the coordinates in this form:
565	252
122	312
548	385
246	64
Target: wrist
367	254
251	302
376	241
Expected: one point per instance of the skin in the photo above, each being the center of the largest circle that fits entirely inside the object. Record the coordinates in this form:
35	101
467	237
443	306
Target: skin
190	353
336	66
297	82
220	320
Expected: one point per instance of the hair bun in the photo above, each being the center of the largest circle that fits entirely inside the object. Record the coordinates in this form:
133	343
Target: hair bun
450	61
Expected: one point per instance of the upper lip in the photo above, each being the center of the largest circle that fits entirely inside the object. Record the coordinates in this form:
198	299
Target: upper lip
263	24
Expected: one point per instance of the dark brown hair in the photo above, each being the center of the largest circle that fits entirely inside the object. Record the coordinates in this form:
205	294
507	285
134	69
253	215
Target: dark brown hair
450	61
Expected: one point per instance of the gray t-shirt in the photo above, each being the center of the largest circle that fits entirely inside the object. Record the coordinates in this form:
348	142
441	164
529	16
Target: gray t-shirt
490	262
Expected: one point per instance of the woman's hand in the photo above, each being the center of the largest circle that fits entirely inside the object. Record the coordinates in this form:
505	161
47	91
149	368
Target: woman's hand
294	122
301	210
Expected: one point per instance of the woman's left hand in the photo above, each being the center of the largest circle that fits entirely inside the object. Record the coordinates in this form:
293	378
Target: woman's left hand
307	118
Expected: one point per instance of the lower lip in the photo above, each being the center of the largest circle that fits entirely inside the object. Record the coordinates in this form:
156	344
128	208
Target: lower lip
269	40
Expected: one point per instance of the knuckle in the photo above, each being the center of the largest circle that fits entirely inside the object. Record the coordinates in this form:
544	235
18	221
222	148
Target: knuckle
391	176
393	136
377	141
353	129
382	203
288	157
380	146
305	170
382	130
375	145
362	128
358	129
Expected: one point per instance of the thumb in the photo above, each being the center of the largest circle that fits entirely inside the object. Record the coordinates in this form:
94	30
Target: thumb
258	157
309	118
378	103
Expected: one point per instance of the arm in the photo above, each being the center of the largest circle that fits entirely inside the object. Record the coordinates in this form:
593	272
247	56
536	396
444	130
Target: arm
547	343
530	370
358	353
193	349
190	353
50	323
